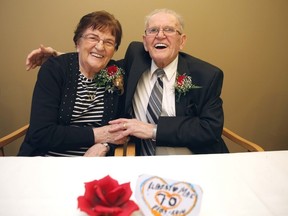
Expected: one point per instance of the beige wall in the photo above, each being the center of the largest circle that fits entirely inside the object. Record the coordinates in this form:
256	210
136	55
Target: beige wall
247	39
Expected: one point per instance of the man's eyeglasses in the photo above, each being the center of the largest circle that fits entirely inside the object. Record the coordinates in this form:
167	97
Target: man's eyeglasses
95	39
166	30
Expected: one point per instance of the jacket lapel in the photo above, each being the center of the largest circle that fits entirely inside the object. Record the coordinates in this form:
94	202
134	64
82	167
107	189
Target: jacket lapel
182	103
139	66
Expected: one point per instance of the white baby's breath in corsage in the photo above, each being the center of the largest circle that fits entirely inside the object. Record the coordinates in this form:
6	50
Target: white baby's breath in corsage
111	78
183	84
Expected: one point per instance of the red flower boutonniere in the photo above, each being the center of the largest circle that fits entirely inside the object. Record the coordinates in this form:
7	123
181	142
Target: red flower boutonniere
107	197
111	78
183	84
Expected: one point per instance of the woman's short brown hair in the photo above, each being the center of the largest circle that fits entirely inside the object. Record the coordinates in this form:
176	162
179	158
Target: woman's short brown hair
101	20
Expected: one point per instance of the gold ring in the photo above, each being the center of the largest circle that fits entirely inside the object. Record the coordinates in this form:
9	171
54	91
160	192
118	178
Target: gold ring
124	125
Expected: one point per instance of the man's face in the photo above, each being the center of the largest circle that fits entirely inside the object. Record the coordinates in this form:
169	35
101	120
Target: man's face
163	47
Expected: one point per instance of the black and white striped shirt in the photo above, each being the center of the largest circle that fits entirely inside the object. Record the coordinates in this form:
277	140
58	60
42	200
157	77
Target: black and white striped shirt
87	111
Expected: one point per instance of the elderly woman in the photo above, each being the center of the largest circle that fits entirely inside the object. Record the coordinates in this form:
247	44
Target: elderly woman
76	94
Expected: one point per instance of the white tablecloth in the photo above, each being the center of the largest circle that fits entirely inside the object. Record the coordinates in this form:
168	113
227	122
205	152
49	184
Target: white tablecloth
233	184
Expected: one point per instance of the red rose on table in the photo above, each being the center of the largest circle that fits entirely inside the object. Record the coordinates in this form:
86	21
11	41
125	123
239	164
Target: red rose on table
107	197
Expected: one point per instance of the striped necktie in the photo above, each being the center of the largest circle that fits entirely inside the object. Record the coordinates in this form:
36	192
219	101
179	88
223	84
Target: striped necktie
153	112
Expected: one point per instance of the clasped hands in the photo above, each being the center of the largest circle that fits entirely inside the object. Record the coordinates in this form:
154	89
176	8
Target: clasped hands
118	132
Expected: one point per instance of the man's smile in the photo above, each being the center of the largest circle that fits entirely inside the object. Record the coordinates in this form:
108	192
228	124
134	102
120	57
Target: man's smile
160	46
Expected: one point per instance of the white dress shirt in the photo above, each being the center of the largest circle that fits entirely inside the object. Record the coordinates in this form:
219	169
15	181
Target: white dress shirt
142	94
145	86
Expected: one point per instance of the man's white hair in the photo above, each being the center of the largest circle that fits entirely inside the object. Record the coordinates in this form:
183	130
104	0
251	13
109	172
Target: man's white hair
168	11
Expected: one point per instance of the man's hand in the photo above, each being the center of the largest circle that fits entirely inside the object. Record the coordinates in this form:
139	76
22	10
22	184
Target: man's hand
38	56
131	127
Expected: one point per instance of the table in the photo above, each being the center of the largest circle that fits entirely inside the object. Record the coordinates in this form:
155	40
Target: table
233	184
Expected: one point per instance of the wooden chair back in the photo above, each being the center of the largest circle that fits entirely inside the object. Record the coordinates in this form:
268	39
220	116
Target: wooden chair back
12	137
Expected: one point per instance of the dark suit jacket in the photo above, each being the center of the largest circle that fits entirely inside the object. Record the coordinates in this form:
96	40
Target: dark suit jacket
199	116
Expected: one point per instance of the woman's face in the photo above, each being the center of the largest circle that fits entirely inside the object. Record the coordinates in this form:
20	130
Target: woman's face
95	49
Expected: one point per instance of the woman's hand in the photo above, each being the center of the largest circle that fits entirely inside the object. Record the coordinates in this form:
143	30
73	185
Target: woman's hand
38	56
96	150
106	134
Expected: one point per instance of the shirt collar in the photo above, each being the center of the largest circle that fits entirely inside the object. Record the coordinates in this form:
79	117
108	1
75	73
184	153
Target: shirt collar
170	69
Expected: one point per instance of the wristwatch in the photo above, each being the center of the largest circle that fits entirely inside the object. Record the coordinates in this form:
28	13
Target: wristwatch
107	146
